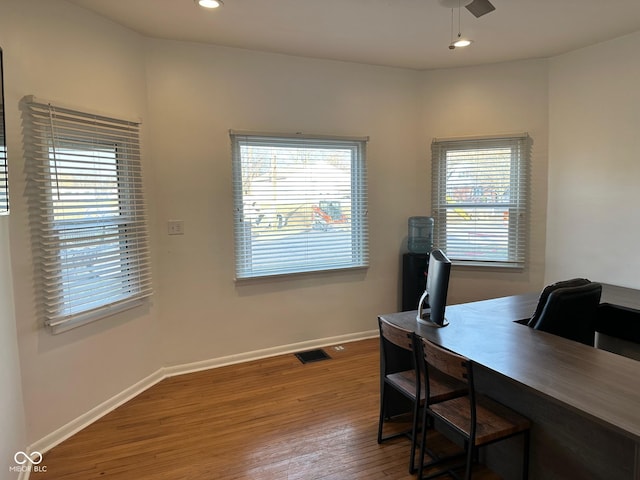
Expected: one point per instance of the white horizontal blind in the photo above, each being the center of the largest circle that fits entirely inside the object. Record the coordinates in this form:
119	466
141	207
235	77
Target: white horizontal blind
89	215
480	194
4	178
300	204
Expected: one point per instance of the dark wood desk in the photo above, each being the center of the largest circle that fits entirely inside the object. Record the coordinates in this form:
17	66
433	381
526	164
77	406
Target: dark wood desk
584	402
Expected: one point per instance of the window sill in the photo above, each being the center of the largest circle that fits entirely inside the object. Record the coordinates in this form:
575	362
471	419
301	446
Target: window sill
488	265
92	316
286	275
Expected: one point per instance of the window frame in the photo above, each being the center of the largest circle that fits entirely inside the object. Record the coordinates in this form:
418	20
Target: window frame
4	166
518	216
245	268
90	234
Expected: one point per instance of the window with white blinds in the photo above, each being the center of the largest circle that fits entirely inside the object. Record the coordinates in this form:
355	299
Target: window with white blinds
4	177
480	195
85	182
300	204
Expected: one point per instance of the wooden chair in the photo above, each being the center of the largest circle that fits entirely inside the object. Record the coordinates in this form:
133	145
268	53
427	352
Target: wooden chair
476	419
398	373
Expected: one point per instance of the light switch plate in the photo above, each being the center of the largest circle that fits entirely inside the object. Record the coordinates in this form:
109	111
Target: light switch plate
175	227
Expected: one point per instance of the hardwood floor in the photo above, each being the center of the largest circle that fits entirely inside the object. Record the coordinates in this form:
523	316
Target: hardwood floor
274	418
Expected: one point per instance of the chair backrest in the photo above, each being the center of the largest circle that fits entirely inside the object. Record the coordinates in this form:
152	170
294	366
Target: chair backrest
570	312
446	362
397	335
544	296
457	367
396	347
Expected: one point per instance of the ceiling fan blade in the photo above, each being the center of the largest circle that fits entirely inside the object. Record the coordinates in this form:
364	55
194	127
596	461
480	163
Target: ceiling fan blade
480	7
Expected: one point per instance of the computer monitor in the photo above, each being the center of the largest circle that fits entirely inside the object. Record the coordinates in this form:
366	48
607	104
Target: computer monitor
434	299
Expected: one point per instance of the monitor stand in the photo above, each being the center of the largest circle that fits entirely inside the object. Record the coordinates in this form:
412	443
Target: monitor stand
424	314
425	320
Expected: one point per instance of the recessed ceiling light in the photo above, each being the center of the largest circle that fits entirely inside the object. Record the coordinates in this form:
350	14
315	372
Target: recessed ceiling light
209	3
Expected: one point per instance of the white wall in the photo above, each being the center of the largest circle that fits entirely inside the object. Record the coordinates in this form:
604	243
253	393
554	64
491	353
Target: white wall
59	52
12	419
196	94
487	100
593	227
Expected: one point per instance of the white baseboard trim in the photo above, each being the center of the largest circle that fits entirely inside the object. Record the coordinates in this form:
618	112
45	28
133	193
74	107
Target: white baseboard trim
267	352
58	436
61	434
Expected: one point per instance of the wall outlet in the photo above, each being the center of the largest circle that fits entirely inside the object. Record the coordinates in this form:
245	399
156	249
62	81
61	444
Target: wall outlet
175	227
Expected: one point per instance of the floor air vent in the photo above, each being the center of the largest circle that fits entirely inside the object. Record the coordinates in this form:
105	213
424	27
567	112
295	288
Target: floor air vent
312	356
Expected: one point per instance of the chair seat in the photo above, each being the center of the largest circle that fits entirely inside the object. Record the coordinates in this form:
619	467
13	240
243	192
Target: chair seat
405	382
493	420
442	387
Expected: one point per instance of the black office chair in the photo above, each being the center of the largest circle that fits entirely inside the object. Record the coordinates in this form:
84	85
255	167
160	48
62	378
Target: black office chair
476	419
569	309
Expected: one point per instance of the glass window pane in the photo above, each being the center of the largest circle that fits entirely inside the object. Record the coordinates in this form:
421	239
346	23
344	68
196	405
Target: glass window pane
299	209
480	192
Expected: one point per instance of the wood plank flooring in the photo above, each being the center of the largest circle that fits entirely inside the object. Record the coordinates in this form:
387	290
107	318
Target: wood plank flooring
274	418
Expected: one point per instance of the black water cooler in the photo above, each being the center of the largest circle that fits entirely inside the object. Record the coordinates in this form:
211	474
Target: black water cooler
414	279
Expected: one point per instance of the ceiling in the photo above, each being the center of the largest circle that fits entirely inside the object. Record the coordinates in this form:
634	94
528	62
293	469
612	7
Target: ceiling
400	33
